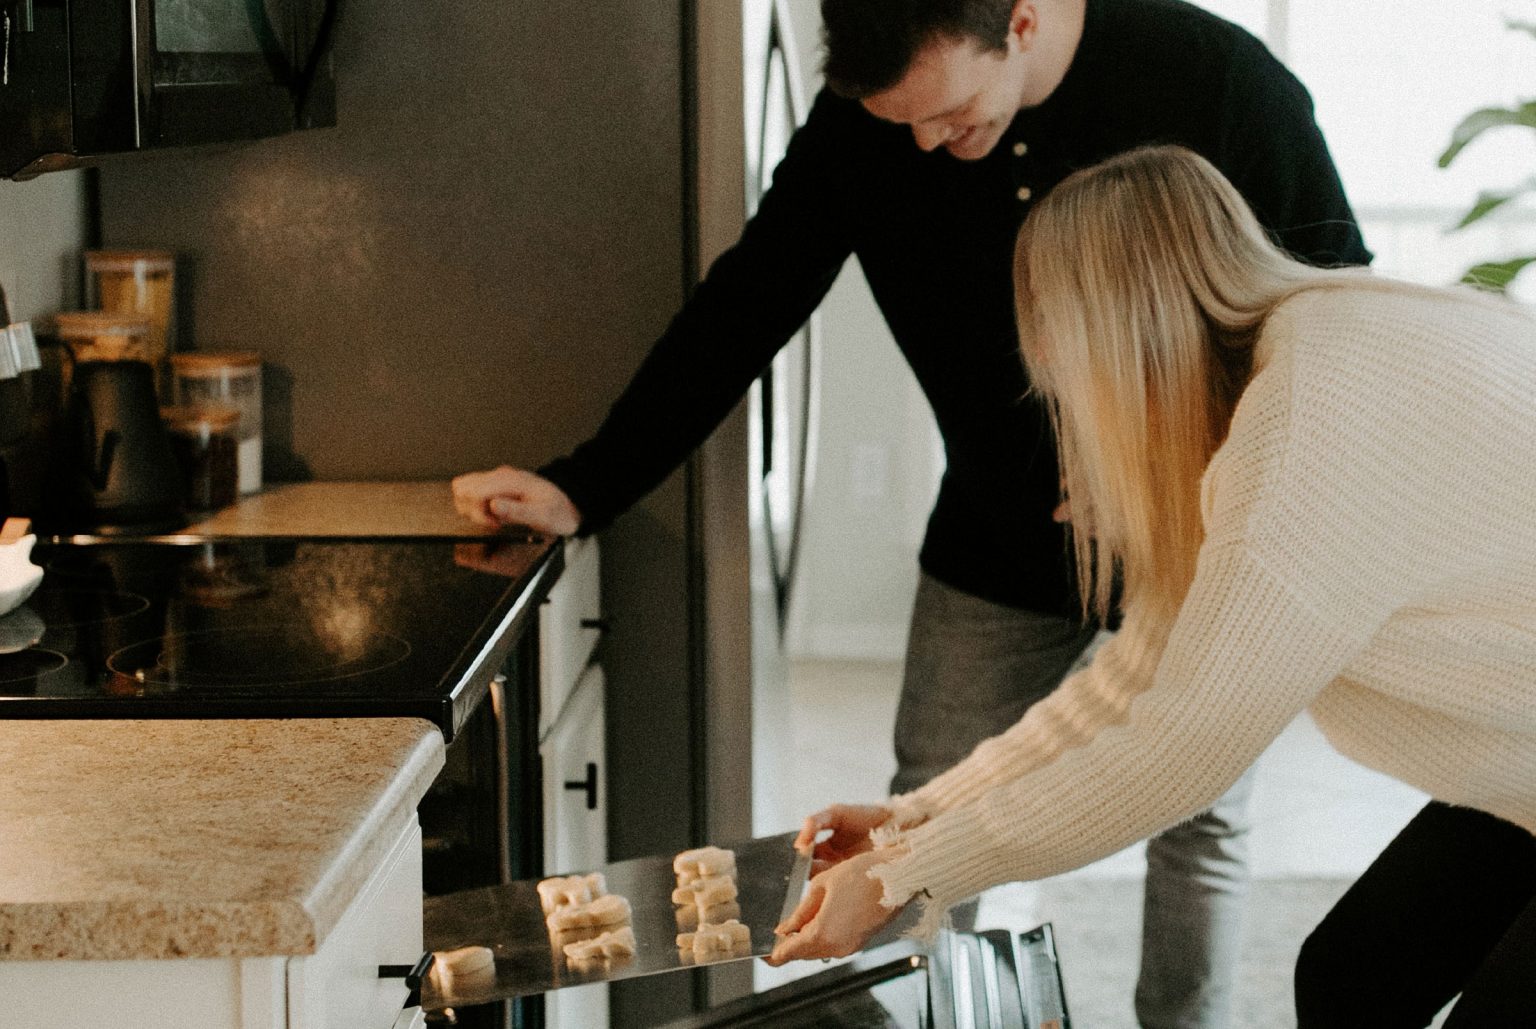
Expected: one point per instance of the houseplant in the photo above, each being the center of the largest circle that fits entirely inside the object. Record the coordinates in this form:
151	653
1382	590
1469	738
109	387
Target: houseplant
1496	275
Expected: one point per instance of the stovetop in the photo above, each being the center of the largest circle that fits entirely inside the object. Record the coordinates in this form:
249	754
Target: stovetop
297	628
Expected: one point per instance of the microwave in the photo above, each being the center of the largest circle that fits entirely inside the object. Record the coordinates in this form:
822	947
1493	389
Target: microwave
84	79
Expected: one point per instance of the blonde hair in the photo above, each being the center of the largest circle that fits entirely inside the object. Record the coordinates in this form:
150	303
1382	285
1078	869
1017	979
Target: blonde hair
1142	286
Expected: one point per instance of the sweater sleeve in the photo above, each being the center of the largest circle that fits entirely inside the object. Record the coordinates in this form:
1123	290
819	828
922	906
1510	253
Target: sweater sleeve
1101	695
1106	763
1154	731
754	298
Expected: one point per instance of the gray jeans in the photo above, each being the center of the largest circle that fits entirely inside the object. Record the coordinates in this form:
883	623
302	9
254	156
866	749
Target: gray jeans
973	668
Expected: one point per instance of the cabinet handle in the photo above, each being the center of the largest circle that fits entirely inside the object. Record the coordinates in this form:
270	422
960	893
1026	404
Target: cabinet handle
414	975
600	624
587	785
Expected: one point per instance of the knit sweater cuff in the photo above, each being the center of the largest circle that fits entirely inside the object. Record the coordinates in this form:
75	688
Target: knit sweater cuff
949	859
908	811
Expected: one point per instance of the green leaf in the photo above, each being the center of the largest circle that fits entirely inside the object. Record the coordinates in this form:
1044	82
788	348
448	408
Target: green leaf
1523	26
1478	122
1496	275
1488	202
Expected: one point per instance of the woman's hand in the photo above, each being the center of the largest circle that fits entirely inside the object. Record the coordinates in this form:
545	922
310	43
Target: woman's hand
840	913
850	825
508	495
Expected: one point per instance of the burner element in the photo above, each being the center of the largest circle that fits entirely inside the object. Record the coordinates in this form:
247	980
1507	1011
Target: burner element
252	657
27	665
70	608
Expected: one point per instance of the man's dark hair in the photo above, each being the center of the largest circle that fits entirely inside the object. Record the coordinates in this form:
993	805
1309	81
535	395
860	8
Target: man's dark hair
870	44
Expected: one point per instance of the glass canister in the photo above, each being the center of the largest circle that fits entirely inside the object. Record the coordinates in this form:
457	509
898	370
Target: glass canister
104	336
99	336
139	282
229	378
206	448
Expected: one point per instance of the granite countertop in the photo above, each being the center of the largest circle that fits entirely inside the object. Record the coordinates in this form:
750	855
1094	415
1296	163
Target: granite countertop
331	510
355	509
124	839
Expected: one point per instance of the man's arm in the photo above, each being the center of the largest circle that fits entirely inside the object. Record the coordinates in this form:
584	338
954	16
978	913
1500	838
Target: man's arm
754	298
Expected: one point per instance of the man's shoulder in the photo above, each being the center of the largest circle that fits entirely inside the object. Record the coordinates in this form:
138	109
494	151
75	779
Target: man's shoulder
1171	41
845	127
1175	28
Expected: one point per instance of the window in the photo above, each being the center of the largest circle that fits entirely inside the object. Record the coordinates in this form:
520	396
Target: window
1391	79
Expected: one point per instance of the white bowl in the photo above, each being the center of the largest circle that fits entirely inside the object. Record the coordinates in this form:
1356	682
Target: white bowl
18	575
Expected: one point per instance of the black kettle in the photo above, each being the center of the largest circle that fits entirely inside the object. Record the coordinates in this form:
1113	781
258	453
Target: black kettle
118	473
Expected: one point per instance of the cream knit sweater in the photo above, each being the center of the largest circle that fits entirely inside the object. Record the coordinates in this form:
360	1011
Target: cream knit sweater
1370	555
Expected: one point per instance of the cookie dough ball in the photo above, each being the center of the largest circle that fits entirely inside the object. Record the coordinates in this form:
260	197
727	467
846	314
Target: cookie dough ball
614	945
569	890
610	910
702	863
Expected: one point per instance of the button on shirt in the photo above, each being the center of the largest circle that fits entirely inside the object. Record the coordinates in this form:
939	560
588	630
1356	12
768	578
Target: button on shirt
934	236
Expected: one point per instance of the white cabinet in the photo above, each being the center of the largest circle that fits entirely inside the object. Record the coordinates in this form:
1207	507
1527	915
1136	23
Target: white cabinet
411	1018
569	627
572	751
575	809
575	826
337	987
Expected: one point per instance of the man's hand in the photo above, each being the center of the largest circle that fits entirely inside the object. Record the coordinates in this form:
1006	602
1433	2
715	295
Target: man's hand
840	913
850	825
508	495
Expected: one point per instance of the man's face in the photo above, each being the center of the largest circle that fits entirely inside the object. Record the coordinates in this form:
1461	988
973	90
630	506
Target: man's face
957	95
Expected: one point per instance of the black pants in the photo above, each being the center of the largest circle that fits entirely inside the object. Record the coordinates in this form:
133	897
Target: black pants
1449	907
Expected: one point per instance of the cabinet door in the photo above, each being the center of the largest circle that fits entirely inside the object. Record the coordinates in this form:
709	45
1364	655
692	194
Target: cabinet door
568	630
575	827
575	782
338	986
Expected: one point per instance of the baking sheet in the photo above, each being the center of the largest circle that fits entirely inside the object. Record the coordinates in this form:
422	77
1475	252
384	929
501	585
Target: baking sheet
770	879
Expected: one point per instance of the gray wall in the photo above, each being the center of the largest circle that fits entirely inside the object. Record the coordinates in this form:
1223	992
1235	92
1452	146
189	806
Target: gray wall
467	268
42	231
464	272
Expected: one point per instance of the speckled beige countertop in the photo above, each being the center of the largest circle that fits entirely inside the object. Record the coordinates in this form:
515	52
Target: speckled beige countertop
180	838
367	509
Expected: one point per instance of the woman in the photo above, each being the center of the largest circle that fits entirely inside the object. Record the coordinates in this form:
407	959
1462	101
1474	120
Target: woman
1319	491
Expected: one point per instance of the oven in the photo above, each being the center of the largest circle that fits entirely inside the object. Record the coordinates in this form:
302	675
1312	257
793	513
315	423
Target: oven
481	821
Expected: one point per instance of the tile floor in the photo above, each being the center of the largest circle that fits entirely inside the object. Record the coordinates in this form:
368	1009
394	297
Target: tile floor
1319	820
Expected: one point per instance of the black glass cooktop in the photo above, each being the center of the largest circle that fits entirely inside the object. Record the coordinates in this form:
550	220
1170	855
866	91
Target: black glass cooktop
300	628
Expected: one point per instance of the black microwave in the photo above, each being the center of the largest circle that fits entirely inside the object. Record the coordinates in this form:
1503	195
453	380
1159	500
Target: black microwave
83	79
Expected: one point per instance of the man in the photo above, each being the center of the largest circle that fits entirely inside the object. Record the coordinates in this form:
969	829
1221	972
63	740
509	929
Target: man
1002	99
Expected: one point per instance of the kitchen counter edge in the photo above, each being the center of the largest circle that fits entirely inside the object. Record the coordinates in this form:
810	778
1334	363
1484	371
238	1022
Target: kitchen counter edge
181	838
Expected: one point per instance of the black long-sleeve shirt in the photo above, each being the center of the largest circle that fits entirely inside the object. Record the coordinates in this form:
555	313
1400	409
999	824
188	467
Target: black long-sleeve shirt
935	237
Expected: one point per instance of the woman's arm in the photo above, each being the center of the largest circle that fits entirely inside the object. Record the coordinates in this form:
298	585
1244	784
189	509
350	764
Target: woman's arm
1245	656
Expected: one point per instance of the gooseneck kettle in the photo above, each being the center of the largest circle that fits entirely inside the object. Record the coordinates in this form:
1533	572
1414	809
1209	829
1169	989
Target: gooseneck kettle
118	473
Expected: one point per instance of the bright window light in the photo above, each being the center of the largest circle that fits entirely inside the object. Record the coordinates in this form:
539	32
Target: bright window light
1391	79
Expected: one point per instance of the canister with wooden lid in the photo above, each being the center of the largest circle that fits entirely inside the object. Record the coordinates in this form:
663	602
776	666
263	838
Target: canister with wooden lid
207	452
229	378
104	335
136	282
99	336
